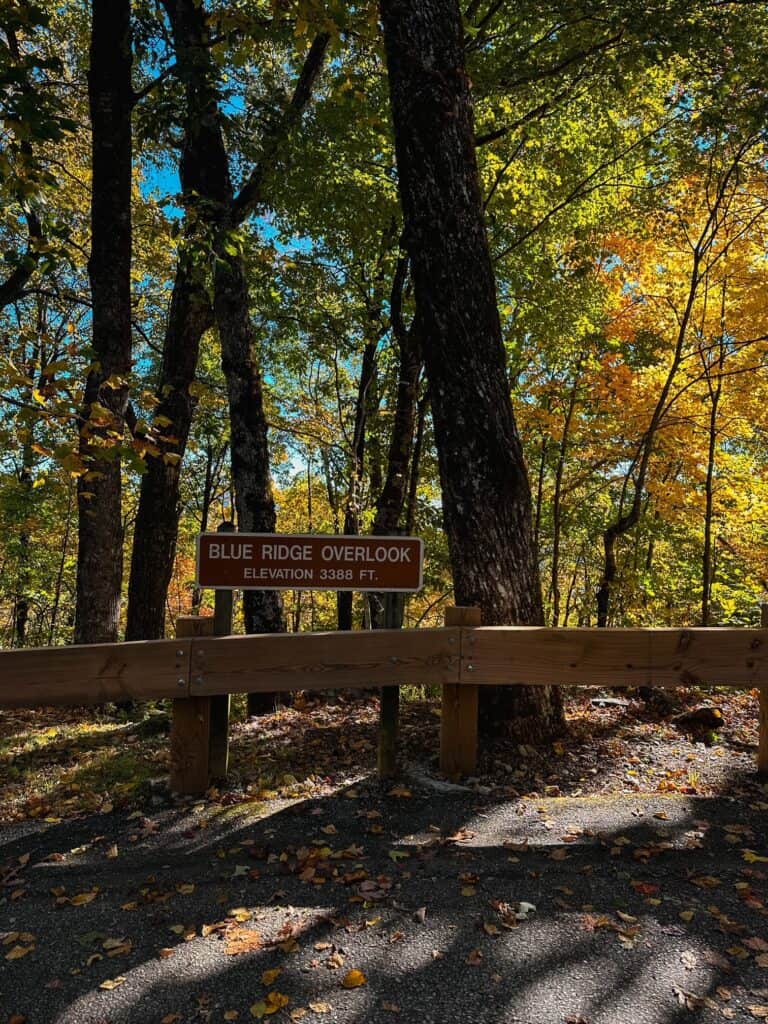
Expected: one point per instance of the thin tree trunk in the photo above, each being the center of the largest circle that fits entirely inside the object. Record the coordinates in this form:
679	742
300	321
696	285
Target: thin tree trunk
557	499
540	490
352	508
413	479
391	500
21	598
213	460
486	495
701	251
715	393
102	423
62	565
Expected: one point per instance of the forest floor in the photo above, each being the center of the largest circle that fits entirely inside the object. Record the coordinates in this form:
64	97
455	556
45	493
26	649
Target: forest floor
308	890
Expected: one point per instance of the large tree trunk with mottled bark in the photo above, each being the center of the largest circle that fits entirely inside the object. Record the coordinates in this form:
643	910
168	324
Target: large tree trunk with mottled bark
189	316
157	518
486	495
254	501
102	422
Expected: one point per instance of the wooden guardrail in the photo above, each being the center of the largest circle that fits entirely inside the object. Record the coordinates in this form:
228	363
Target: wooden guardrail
461	657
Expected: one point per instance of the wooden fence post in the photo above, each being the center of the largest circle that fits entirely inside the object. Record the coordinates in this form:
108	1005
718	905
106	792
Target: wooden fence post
458	726
762	750
220	705
191	724
389	709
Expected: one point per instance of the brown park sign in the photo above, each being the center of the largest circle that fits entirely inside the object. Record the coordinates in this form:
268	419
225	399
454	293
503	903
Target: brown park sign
271	561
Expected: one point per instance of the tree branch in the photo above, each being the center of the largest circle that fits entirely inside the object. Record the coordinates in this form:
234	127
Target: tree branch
250	195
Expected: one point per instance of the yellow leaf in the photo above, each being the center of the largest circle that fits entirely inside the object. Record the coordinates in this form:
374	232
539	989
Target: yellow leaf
84	897
111	983
266	1007
240	914
270	977
354	979
185	888
18	952
320	1007
753	858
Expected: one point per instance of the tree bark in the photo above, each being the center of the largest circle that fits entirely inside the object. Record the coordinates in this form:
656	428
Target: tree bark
102	422
225	211
352	508
157	518
557	499
715	392
486	494
189	316
391	501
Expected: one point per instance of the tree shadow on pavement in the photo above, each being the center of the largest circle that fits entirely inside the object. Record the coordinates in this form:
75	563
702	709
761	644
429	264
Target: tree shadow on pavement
646	908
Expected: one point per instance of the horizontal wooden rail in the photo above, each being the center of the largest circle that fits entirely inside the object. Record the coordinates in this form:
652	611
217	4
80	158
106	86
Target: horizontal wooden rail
488	655
321	661
94	673
197	667
536	655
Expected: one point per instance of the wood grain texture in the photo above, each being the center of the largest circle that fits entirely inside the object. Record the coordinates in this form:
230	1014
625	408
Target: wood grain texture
93	674
616	657
321	661
190	745
191	723
459	707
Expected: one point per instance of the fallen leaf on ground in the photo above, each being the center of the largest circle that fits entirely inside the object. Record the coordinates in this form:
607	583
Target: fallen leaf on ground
84	897
111	983
242	940
17	952
354	979
273	1002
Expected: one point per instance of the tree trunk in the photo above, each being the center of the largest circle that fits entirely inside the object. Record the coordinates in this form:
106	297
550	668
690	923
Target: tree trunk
422	409
263	609
157	519
352	508
225	213
486	495
715	390
391	501
100	528
189	316
557	500
254	502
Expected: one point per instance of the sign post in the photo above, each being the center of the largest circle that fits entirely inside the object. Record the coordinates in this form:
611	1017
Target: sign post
220	705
